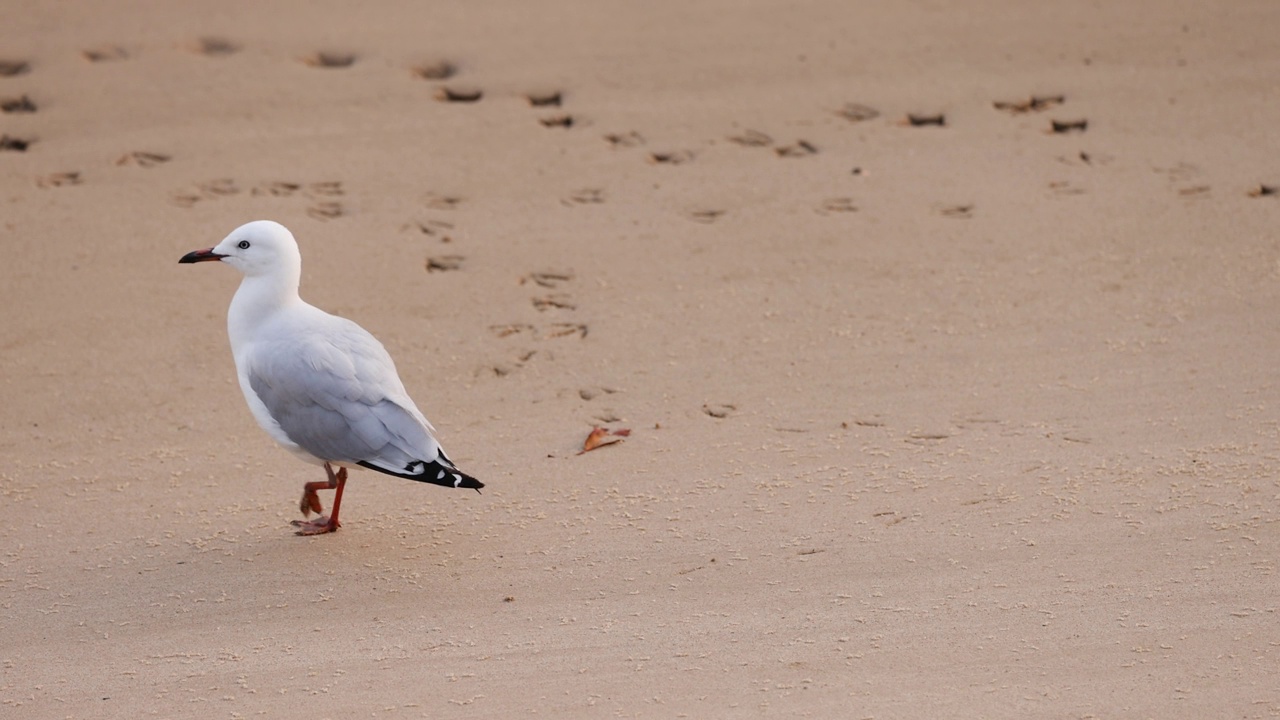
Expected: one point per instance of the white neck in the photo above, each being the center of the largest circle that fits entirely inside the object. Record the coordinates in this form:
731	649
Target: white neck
258	298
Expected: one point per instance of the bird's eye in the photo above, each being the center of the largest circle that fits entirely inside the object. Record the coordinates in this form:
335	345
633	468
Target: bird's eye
243	244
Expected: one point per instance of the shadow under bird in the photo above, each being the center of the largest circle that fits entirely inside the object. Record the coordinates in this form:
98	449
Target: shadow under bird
320	385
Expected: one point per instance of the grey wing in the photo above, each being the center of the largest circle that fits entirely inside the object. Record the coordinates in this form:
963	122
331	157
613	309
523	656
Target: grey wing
341	401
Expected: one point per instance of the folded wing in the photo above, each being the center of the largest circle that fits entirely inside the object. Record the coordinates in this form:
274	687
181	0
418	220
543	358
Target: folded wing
337	395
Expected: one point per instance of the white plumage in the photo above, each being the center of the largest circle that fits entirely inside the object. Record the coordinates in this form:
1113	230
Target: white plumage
320	385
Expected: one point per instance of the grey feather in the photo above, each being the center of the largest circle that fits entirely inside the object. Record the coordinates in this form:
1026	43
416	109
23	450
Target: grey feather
337	395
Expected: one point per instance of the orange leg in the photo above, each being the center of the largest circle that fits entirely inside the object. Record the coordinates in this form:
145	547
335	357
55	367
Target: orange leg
311	503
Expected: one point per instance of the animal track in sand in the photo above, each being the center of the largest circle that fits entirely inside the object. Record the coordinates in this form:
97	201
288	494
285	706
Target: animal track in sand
1085	158
857	112
143	159
281	188
106	53
1065	126
444	263
431	228
16	105
214	46
436	70
705	217
13	68
719	410
505	331
837	205
327	188
436	201
499	370
922	437
801	148
548	278
505	369
751	138
1185	172
325	211
675	157
1065	187
560	121
585	196
276	188
1181	172
332	59
894	517
625	140
459	94
62	179
962	212
9	143
554	301
559	330
924	120
1035	103
553	331
549	98
222	187
219	187
226	187
591	393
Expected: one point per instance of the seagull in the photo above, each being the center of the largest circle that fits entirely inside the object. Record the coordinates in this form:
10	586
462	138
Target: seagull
321	386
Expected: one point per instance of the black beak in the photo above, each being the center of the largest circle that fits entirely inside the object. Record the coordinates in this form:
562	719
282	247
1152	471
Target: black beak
205	255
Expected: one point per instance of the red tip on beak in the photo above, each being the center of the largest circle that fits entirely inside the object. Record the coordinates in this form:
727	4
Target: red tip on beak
205	255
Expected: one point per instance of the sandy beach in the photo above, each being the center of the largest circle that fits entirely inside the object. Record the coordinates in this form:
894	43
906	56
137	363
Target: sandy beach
945	335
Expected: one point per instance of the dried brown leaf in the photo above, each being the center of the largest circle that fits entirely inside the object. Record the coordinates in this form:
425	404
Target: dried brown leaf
600	437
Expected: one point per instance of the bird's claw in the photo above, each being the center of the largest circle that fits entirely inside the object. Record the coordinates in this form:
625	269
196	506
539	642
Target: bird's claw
319	526
310	503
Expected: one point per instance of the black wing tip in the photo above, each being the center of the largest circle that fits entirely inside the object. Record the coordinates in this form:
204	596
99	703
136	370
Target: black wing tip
433	473
466	483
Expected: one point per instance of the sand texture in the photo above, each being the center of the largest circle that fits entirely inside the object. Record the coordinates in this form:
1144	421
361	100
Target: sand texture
946	335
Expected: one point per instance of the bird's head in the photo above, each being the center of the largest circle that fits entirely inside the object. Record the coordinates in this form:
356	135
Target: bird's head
258	248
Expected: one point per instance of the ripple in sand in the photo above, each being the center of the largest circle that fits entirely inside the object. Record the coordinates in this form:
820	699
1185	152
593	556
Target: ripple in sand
330	59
